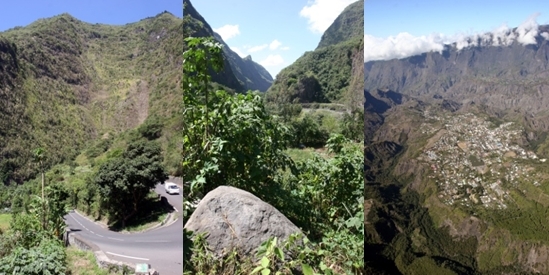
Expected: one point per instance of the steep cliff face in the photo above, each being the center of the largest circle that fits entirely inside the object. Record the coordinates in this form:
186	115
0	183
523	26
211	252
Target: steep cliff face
330	73
251	74
504	77
238	73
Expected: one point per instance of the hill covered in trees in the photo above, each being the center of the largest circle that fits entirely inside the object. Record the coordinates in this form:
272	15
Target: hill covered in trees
65	83
326	75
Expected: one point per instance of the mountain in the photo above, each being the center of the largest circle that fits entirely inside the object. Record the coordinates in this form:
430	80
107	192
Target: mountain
332	73
240	74
65	83
512	77
455	159
348	25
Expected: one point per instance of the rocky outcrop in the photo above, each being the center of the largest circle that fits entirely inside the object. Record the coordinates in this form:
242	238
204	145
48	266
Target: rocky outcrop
233	218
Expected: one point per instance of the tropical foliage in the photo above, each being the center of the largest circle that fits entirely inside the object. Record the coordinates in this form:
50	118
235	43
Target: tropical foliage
233	140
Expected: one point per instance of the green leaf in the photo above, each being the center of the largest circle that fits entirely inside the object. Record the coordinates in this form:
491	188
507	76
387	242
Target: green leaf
265	262
257	269
323	266
278	252
265	271
307	270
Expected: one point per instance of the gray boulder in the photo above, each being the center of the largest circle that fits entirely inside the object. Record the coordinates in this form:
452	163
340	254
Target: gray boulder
236	218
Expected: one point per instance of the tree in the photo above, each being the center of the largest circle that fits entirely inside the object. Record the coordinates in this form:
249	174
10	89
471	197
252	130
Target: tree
229	139
125	181
39	156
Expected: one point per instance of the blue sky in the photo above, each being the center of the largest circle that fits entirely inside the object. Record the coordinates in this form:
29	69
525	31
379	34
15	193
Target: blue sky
274	33
115	12
395	28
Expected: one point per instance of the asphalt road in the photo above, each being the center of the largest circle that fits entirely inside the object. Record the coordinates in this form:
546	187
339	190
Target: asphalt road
162	247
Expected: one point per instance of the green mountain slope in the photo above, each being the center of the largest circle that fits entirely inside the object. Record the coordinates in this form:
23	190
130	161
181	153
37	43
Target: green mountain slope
325	74
64	83
349	24
239	74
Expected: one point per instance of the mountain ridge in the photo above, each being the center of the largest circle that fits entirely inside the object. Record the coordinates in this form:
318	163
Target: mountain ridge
238	74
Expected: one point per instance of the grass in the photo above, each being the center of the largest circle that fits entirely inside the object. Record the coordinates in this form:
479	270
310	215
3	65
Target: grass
81	262
4	221
306	153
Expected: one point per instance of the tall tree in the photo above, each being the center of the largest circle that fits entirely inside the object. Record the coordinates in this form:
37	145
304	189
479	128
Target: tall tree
125	181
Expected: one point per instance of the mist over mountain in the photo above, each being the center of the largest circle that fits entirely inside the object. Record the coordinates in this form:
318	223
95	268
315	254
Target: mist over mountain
406	45
506	77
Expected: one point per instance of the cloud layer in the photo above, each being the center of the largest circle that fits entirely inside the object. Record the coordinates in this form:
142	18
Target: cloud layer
322	13
228	31
404	44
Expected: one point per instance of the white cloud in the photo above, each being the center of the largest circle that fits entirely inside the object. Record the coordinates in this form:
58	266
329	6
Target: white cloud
322	13
285	48
528	30
405	45
399	46
272	60
238	51
275	44
228	31
257	48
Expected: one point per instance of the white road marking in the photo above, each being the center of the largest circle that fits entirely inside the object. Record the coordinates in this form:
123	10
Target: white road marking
137	258
115	239
100	235
152	241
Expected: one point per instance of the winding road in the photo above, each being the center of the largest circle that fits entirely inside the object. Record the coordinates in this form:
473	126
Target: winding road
162	247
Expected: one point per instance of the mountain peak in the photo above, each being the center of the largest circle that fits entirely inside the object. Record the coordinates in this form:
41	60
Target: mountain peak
349	24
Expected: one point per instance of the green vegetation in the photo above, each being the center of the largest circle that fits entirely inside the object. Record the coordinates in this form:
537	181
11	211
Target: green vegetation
66	84
124	182
4	222
346	26
234	140
319	76
102	105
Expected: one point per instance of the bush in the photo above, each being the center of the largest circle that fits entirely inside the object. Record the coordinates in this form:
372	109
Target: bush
48	257
308	132
152	128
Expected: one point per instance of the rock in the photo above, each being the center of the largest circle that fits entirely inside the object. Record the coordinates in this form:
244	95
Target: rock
236	218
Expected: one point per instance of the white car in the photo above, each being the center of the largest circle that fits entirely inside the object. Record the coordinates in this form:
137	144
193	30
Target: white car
171	188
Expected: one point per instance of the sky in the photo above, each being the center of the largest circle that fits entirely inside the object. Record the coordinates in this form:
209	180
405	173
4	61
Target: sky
113	12
274	33
398	29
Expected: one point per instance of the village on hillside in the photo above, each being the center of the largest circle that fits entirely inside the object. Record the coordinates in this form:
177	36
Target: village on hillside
473	161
